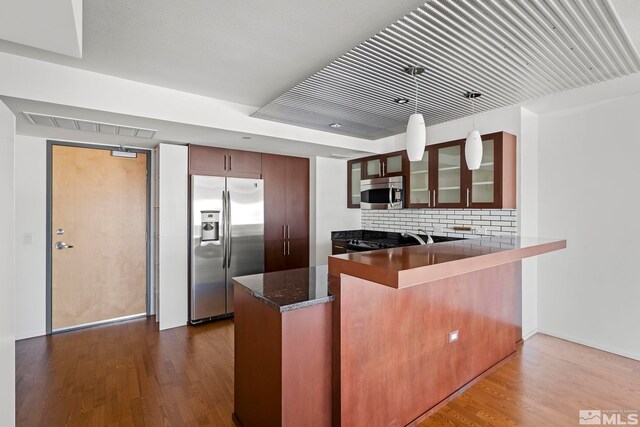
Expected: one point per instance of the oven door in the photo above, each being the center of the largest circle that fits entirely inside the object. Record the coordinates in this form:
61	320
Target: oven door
382	193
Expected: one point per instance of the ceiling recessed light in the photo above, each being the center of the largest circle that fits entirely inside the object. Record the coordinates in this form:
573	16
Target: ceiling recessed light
246	137
401	100
335	125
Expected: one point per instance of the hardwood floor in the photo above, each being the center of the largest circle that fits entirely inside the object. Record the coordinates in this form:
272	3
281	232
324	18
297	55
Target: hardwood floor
127	374
130	374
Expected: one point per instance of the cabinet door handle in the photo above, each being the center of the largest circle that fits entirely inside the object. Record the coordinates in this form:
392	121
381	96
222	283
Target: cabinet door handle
468	190
434	197
284	233
288	233
288	247
429	199
225	162
284	248
383	173
229	162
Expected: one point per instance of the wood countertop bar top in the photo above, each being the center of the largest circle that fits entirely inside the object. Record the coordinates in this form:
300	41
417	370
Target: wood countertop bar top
414	265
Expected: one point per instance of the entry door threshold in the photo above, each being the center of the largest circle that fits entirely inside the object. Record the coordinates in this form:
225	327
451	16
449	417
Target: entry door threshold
100	323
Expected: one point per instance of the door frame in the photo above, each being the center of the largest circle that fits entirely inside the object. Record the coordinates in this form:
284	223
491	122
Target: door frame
49	240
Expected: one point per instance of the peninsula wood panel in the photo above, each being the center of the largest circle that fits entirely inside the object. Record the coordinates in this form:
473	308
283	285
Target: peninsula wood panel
392	356
282	368
101	203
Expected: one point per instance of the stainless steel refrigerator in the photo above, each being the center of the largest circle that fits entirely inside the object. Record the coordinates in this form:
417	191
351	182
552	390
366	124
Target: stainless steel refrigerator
227	240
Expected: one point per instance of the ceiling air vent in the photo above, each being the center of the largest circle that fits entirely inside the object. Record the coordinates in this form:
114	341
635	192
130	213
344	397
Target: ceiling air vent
88	126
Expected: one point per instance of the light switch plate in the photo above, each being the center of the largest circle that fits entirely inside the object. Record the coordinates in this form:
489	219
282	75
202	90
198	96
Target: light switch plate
27	238
453	336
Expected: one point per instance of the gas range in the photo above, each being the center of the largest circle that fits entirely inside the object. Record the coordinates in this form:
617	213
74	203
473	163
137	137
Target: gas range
366	245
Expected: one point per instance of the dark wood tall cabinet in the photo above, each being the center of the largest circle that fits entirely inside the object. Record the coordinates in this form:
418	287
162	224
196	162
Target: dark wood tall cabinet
286	203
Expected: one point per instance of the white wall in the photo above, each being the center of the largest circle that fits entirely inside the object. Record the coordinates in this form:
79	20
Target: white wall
7	275
589	180
331	205
527	177
31	192
173	238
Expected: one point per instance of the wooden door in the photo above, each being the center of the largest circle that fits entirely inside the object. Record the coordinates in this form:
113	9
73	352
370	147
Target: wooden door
208	160
275	181
297	253
100	202
297	200
244	164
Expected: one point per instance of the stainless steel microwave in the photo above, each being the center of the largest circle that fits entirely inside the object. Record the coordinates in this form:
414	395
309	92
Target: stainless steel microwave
382	193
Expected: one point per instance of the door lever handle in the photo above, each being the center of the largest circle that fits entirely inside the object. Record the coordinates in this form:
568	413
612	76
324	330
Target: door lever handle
63	245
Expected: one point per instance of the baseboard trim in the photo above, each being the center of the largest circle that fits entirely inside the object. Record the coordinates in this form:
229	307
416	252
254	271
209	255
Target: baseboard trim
529	335
591	344
33	334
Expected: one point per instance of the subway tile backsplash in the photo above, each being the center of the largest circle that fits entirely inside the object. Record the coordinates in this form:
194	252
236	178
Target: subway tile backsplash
441	221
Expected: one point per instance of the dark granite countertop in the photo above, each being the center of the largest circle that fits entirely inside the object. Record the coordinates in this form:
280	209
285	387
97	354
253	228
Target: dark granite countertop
387	237
289	289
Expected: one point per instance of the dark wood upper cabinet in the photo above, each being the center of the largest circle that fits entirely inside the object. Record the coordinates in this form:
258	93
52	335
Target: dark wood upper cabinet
286	183
448	167
207	160
493	185
223	162
442	180
390	164
354	176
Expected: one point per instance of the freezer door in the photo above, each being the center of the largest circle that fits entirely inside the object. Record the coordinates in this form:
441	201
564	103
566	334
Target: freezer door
208	279
246	222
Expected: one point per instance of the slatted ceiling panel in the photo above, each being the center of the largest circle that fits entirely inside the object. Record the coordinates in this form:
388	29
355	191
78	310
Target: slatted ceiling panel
509	50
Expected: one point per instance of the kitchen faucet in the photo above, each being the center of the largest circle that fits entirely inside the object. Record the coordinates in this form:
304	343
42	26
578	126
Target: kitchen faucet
415	236
429	238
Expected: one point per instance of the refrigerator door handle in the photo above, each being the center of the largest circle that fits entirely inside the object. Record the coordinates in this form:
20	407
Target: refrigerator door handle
224	231
229	240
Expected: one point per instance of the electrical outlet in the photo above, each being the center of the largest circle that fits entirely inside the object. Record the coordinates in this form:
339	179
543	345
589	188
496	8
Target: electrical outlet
453	336
438	228
481	230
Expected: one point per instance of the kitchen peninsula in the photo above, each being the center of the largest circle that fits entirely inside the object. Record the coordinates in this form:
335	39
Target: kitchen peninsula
410	327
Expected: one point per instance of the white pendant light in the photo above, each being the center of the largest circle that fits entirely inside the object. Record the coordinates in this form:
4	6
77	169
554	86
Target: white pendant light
473	144
416	136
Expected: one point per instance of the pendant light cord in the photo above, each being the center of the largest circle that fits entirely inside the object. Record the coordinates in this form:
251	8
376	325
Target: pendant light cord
416	80
473	112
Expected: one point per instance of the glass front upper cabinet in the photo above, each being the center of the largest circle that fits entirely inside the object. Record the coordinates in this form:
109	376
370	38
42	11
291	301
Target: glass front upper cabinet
483	179
374	168
419	194
392	165
353	190
449	176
